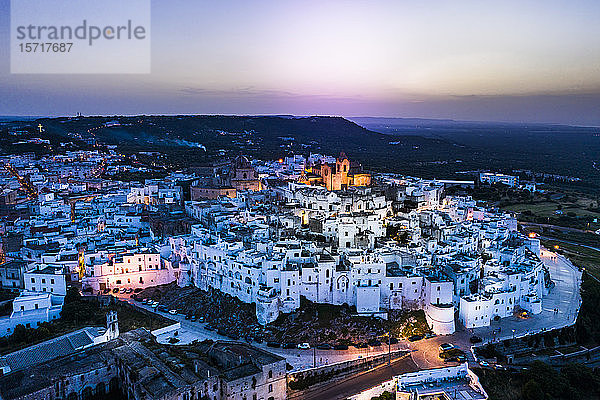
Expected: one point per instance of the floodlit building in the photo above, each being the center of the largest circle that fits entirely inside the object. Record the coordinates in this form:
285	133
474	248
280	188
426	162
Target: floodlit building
139	268
337	175
491	178
451	383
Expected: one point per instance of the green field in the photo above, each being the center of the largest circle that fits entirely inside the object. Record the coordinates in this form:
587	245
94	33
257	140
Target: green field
581	256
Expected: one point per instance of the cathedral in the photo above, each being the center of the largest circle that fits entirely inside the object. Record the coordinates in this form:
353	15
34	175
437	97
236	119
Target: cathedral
336	176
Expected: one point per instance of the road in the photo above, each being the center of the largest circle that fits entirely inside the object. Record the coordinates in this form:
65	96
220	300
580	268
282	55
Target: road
299	359
557	227
564	296
569	242
425	352
359	382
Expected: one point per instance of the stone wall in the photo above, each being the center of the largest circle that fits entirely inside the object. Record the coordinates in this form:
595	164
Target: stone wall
311	379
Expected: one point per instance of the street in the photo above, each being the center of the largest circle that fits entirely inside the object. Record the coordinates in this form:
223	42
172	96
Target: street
360	382
564	296
425	352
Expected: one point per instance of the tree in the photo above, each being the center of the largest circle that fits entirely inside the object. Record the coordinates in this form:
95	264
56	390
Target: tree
532	391
72	295
20	334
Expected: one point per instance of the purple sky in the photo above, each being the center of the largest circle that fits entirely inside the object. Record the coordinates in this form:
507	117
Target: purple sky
525	61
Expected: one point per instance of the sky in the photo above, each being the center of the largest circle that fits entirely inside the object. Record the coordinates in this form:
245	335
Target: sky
514	60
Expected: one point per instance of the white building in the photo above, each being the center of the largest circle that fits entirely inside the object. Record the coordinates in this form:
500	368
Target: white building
136	269
30	309
49	279
491	178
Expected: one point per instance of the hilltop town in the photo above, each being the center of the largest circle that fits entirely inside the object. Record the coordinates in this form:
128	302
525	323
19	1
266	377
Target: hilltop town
275	235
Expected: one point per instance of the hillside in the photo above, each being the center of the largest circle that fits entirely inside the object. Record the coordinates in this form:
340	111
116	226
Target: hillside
427	148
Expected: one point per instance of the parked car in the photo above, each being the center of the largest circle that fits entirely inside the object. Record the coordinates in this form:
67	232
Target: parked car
361	345
106	291
475	339
324	346
209	328
340	347
129	291
304	346
188	316
289	345
452	353
123	290
414	338
137	290
200	319
374	342
193	318
455	359
163	309
273	344
392	340
445	347
115	290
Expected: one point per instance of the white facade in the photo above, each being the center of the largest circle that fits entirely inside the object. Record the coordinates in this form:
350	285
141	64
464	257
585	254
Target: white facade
30	309
129	270
49	279
490	178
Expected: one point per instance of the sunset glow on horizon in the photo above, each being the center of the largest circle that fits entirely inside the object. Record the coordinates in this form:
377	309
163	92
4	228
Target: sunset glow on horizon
512	61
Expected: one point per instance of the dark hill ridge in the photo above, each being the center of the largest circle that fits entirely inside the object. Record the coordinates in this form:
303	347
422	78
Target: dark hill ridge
261	136
188	127
438	149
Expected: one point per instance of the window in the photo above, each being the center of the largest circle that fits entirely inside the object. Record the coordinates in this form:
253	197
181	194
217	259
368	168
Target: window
52	281
270	388
32	280
270	374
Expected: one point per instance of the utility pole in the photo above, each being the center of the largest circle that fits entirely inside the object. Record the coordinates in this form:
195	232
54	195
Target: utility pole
389	348
314	357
